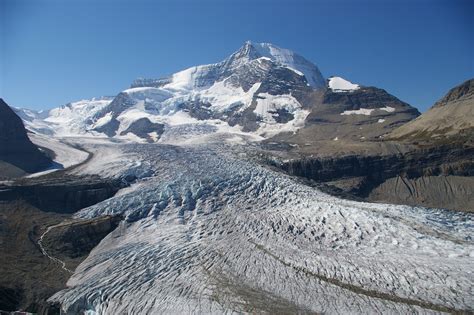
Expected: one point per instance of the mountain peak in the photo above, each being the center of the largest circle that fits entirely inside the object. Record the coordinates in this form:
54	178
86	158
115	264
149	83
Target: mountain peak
282	56
460	92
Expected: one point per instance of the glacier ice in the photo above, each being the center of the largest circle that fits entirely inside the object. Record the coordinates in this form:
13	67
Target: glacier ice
208	229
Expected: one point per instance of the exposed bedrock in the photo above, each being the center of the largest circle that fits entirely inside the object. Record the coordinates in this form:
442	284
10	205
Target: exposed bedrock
433	177
62	196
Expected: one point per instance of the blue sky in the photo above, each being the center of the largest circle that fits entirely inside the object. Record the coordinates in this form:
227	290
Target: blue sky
54	52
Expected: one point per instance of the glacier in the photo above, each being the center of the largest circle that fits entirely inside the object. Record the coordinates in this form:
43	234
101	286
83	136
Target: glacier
209	229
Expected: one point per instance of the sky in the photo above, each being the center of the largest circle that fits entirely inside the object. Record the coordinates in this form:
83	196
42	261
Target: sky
57	51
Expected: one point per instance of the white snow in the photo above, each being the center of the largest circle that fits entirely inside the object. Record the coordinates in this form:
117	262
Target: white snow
65	154
223	97
338	84
154	136
295	71
70	120
211	85
292	61
266	109
103	120
187	79
388	109
268	104
381	121
361	111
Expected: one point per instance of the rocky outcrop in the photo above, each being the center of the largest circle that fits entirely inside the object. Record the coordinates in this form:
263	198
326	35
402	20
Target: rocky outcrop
464	91
15	147
145	129
427	161
61	195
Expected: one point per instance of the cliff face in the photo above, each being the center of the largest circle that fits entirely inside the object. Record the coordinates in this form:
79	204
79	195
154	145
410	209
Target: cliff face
15	147
60	195
433	177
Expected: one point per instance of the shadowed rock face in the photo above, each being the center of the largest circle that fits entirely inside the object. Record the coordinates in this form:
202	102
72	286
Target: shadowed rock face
61	195
15	147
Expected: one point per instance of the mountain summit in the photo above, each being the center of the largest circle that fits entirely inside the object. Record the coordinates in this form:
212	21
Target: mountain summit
252	58
284	57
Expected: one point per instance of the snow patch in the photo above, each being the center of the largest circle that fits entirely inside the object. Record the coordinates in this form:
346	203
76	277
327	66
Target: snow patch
388	109
268	105
103	120
338	84
224	97
361	111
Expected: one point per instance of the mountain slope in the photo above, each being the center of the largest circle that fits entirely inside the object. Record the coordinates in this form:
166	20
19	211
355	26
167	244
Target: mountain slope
16	150
346	116
452	116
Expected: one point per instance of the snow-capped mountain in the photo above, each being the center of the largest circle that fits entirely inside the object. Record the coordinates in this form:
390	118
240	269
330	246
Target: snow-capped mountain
67	120
261	90
253	90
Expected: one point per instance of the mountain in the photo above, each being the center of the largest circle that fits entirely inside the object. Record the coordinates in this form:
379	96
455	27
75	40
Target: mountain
17	153
66	120
451	117
261	90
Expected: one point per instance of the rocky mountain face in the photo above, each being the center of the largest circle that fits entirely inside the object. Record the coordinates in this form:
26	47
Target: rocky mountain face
17	152
355	114
448	119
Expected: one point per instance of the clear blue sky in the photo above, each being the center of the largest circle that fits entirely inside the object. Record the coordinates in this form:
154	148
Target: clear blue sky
54	52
